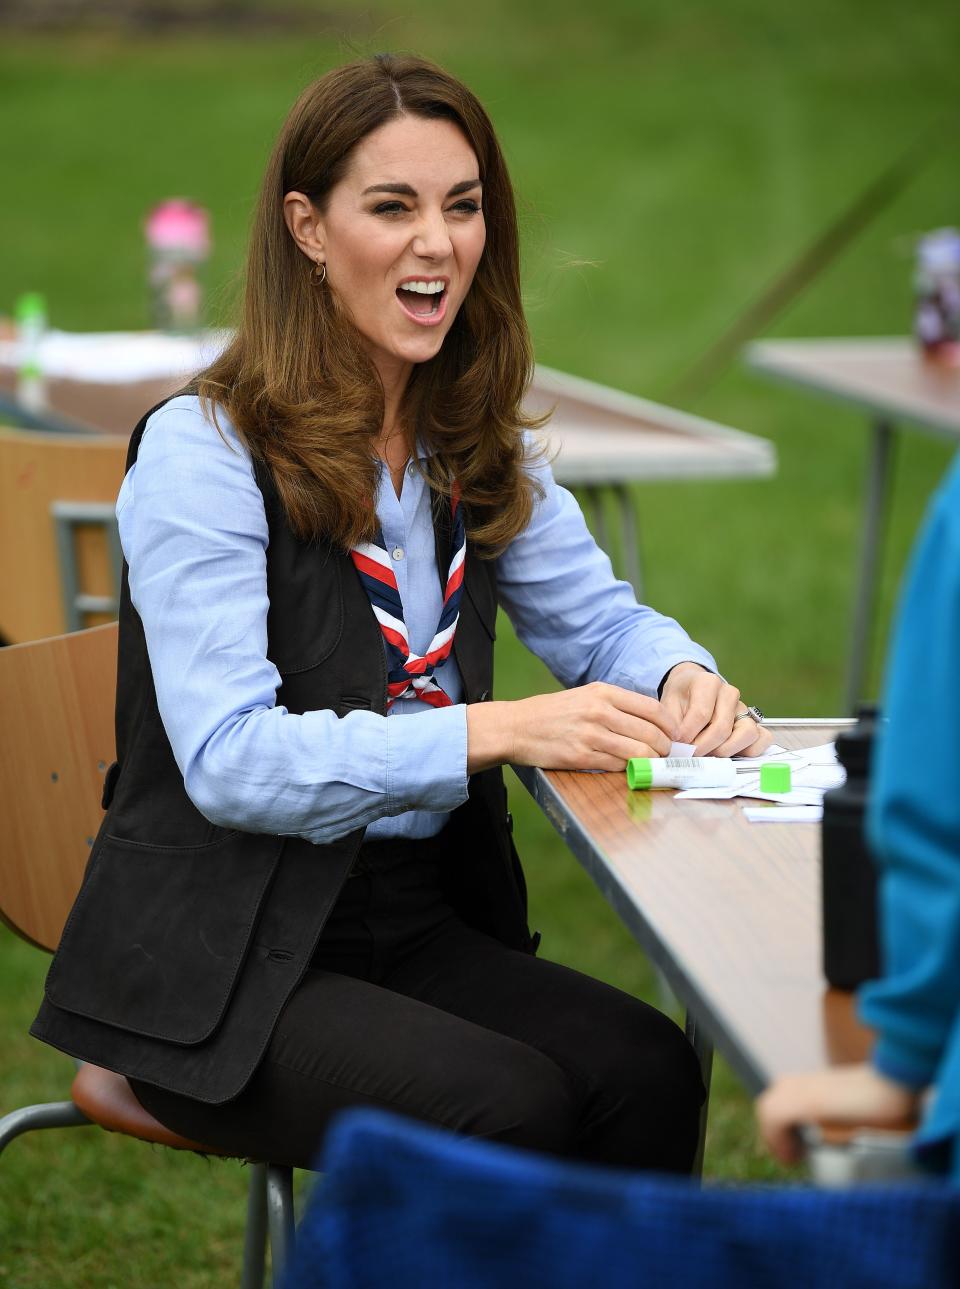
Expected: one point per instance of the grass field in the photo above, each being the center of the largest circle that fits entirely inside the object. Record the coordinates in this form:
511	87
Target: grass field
670	160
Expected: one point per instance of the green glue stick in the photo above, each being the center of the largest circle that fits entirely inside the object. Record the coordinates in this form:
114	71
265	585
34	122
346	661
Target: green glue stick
681	772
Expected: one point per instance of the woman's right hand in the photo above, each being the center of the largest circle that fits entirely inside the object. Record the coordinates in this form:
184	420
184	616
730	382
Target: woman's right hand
593	727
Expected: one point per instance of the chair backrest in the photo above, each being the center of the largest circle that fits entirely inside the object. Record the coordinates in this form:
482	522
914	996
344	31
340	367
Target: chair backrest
405	1204
56	742
57	530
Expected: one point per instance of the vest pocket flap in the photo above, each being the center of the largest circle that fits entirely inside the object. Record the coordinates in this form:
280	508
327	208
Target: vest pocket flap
158	934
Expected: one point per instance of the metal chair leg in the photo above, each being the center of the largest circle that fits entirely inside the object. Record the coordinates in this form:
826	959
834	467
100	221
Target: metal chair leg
255	1237
269	1199
280	1217
53	1114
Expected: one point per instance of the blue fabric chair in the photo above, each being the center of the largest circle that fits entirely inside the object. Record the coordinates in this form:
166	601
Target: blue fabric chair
404	1206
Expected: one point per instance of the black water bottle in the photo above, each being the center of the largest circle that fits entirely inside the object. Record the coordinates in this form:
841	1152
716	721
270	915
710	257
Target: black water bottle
850	947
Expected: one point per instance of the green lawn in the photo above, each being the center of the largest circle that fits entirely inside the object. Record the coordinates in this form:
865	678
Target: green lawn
670	160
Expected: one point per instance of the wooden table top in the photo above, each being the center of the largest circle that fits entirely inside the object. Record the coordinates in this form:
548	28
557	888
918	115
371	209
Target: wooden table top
886	376
729	911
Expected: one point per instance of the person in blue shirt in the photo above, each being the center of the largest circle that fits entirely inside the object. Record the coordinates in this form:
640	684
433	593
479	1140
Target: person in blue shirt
914	834
314	897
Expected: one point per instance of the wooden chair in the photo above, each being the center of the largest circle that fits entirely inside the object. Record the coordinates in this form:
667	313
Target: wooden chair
58	532
56	742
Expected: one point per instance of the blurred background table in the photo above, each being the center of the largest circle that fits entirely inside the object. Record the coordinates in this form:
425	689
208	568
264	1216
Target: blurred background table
602	440
103	382
729	911
897	388
99	384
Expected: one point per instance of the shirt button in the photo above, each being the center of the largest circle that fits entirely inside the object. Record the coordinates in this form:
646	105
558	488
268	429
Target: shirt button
411	468
397	553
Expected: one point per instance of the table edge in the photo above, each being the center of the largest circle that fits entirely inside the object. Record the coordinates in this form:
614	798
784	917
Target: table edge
754	1078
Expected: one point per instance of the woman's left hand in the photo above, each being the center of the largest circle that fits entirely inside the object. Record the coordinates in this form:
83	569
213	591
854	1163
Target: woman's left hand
704	709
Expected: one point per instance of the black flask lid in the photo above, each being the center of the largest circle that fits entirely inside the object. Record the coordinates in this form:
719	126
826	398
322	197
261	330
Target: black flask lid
855	745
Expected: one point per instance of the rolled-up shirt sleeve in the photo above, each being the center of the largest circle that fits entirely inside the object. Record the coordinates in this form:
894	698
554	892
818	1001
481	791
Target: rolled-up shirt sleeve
559	591
194	534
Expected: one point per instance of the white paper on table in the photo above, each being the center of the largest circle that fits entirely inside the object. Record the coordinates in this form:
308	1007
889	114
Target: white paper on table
800	796
783	814
773	753
813	771
823	754
795	797
707	794
823	777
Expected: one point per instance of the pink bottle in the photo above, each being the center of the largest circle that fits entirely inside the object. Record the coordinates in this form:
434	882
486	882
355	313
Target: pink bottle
178	245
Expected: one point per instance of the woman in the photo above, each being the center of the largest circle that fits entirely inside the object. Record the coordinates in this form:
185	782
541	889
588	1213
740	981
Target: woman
305	894
914	830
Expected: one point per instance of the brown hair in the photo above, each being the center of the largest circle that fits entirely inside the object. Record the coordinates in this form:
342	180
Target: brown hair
297	382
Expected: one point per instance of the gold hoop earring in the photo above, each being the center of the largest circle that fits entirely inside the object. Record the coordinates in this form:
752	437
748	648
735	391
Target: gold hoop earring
314	278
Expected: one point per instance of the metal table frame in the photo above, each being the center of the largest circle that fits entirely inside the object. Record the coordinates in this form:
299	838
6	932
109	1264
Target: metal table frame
783	361
606	467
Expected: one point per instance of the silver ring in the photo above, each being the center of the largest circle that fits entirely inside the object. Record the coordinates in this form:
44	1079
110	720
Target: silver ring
753	712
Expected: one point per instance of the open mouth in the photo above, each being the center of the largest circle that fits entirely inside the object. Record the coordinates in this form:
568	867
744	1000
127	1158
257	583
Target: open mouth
423	301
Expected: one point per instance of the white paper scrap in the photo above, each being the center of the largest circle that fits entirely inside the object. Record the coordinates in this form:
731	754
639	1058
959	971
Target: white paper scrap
683	749
773	753
783	814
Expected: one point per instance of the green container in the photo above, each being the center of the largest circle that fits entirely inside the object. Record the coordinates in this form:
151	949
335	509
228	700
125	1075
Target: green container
774	777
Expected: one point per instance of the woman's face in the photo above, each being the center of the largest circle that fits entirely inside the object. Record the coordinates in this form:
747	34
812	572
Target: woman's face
402	236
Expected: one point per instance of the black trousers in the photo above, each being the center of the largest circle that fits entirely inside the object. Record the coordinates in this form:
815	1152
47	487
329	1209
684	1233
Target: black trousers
408	1008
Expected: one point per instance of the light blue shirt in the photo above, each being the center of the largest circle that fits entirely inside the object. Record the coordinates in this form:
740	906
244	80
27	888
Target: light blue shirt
195	536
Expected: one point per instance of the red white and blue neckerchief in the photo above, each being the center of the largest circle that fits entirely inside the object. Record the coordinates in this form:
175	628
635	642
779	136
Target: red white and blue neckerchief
410	675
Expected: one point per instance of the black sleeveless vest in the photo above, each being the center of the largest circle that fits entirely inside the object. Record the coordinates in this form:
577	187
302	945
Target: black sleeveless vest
187	939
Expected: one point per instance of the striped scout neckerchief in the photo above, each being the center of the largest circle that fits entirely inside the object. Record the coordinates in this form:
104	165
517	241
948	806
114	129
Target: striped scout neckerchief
410	675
